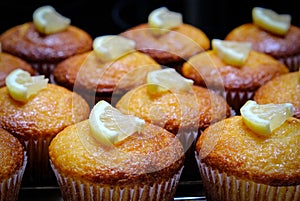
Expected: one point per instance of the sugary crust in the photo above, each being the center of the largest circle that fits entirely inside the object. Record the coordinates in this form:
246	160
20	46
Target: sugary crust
282	89
230	146
146	157
26	42
263	41
11	154
44	114
86	71
175	111
207	69
175	46
8	63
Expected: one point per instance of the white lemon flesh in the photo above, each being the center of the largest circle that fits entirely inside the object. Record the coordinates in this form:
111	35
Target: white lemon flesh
271	21
264	118
48	21
109	126
232	52
21	85
162	80
162	20
110	47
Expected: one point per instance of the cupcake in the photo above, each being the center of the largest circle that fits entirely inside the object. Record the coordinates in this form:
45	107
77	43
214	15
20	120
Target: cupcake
109	70
235	79
265	37
9	62
44	45
282	89
36	119
13	163
185	113
237	163
167	39
145	165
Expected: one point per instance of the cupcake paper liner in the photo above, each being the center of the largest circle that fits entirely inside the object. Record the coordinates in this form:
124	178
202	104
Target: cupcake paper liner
236	99
38	171
52	79
222	187
187	139
10	187
292	62
80	190
44	69
190	171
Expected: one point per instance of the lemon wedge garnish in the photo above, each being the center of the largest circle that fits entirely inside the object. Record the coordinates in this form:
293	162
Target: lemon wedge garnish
162	80
264	118
271	21
21	85
47	20
110	47
108	125
162	20
232	52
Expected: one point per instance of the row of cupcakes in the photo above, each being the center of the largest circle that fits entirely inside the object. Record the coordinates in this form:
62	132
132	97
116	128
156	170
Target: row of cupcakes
163	41
50	37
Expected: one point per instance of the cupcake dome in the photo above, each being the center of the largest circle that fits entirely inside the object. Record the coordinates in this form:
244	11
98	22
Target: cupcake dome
9	62
13	162
237	84
282	89
97	80
229	151
173	47
168	40
43	51
176	112
37	121
285	47
144	166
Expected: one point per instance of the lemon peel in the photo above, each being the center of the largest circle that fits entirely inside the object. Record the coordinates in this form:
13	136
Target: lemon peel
109	126
264	118
159	81
110	47
232	52
271	21
48	21
162	20
21	85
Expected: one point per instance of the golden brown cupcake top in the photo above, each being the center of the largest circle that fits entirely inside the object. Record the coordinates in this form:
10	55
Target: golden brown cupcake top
87	71
44	114
8	63
231	147
139	158
175	111
26	42
264	41
11	154
282	89
208	69
175	46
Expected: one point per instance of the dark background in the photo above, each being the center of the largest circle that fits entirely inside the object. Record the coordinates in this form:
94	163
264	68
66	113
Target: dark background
97	17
